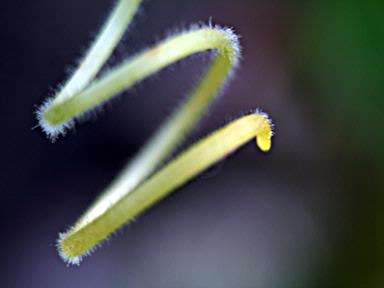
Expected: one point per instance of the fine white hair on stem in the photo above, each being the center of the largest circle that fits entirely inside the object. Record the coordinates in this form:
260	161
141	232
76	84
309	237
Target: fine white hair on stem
92	230
52	132
99	52
221	39
265	115
72	260
142	182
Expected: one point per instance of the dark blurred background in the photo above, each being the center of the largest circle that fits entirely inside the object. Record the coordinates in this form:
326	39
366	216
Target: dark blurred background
307	214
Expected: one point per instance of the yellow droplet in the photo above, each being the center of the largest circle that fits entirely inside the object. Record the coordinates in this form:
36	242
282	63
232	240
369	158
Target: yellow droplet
264	142
264	138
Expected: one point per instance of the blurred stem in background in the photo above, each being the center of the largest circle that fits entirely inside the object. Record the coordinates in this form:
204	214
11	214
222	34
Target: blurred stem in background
341	61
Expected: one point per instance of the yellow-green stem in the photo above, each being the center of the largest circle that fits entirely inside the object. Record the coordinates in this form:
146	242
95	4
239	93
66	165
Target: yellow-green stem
139	185
101	50
85	235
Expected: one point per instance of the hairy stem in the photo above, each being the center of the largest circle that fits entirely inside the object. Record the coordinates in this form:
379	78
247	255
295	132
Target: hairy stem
101	50
140	185
87	234
145	64
169	135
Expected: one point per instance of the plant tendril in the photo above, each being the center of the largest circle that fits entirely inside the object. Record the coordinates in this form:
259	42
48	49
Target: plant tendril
141	183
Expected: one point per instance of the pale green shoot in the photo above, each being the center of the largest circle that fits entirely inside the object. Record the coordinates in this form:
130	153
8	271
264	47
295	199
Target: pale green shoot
139	186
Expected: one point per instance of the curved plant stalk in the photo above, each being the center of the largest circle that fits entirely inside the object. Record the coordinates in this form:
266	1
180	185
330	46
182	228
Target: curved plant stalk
84	236
134	190
101	50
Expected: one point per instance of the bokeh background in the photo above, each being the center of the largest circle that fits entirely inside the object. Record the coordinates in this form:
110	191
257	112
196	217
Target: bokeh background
308	214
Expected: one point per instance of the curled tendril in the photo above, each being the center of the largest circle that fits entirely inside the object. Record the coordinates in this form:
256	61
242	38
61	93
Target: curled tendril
140	185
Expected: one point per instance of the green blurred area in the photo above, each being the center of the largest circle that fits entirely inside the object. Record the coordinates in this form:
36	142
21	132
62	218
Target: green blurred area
343	49
340	64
